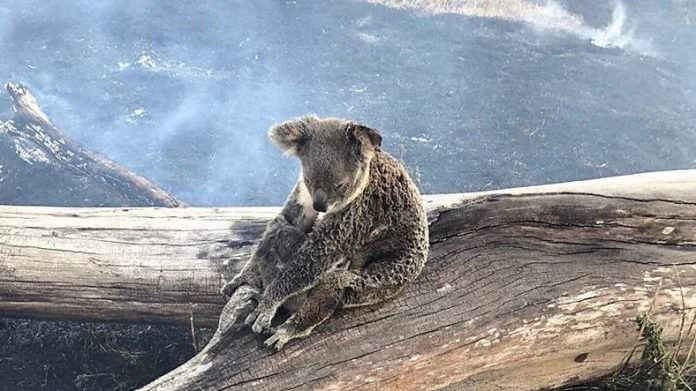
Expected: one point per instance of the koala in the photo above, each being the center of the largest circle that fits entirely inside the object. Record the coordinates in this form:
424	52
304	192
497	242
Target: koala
371	239
281	240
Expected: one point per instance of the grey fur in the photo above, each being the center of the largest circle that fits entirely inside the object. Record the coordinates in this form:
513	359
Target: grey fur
372	240
280	242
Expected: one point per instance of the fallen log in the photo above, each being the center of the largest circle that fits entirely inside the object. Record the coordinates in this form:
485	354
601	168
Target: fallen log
62	171
525	288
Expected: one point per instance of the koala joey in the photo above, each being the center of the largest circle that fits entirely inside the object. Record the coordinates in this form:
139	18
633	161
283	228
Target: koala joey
370	241
281	240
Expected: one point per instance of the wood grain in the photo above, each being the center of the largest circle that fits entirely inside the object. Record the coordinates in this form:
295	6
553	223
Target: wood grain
524	288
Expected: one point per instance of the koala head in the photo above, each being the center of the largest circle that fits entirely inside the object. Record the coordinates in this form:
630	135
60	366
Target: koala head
335	155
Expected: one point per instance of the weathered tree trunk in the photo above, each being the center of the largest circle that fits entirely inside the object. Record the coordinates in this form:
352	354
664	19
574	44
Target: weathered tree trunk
524	288
123	264
62	172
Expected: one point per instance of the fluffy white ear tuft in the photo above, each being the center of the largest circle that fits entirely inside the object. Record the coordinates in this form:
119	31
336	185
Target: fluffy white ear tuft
290	134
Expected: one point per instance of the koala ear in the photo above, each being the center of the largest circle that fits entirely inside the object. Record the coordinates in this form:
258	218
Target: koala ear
290	135
364	135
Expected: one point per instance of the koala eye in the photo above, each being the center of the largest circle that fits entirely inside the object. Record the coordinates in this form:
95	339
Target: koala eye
341	186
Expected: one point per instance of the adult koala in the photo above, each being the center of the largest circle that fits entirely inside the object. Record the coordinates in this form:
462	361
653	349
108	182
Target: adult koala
371	240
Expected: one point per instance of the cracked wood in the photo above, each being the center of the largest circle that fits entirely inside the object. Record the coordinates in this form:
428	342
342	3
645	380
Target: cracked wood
520	283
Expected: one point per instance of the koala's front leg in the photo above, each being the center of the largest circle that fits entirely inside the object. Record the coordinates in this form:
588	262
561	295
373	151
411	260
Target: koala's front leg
283	287
239	306
283	235
249	275
322	249
321	302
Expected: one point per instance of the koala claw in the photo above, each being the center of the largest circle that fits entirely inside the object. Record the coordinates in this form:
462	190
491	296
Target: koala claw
251	318
346	278
281	337
262	323
260	319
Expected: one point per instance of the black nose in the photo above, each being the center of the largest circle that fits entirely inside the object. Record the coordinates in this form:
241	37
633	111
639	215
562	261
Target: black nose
319	201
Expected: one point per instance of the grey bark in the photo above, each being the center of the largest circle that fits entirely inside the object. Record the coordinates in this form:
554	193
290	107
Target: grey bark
524	288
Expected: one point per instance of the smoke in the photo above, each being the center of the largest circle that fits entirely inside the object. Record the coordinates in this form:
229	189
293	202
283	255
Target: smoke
618	35
186	107
546	17
4	21
183	93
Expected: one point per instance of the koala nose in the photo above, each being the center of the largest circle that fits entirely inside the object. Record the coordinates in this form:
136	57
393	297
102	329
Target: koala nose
319	201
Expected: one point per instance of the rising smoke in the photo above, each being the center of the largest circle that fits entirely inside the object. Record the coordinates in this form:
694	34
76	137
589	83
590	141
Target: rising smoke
546	16
183	93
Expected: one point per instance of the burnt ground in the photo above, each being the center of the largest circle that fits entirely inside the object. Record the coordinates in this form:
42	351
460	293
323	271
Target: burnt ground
183	94
49	355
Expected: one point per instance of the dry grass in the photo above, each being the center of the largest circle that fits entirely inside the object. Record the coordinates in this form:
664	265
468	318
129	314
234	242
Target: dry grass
661	366
517	10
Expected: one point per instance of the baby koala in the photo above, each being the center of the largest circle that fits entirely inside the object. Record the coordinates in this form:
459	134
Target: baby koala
371	240
280	242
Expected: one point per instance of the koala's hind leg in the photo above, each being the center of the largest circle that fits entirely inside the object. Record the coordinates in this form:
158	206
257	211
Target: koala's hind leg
368	296
322	301
383	279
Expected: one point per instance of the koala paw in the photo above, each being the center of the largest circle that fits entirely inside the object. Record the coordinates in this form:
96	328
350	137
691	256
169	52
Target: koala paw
260	319
231	286
345	278
281	337
239	305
